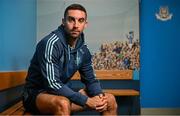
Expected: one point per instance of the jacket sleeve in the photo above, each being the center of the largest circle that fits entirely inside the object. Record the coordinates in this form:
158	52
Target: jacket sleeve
49	56
88	75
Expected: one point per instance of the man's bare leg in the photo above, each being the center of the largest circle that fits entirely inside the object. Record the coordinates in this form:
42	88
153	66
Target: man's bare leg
53	104
59	105
112	105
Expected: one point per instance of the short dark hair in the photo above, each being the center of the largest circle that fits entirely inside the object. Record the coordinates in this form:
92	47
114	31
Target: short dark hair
75	7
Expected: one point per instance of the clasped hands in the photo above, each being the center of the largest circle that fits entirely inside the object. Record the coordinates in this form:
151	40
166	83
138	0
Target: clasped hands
99	102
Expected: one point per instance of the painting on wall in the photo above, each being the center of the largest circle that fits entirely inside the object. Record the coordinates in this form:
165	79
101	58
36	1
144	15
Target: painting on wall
112	34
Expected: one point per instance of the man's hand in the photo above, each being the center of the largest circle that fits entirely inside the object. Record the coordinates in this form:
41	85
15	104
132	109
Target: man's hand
98	103
104	106
92	102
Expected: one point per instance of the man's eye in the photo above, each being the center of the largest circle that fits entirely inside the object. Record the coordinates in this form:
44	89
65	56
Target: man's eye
81	20
70	19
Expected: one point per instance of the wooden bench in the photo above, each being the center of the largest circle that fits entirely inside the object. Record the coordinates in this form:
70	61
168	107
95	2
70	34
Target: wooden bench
10	81
114	75
18	108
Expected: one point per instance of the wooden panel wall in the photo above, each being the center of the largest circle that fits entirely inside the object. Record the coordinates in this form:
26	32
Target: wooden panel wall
12	79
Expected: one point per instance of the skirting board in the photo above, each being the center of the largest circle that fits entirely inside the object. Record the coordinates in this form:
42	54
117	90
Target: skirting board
160	111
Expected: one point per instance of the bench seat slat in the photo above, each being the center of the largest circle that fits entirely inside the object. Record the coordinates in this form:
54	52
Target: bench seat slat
122	92
11	110
20	111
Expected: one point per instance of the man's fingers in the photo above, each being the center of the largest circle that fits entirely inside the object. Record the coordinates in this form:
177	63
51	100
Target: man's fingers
101	103
104	103
102	108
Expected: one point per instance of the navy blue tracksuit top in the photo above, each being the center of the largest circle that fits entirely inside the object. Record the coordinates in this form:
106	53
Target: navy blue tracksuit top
54	63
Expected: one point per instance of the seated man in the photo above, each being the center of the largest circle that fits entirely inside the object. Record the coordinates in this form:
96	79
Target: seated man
57	57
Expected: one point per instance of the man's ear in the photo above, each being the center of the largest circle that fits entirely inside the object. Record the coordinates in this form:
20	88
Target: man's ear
86	24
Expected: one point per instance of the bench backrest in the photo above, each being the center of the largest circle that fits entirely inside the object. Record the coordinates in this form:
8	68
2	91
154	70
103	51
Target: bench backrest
109	75
12	79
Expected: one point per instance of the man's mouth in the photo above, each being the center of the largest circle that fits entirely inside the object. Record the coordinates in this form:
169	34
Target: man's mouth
74	31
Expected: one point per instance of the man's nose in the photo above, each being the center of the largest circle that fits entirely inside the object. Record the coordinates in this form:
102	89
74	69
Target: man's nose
76	24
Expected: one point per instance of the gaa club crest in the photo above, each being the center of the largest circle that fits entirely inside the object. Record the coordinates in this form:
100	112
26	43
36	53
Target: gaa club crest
164	14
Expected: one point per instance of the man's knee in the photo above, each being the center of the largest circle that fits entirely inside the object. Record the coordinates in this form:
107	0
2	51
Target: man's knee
111	101
62	105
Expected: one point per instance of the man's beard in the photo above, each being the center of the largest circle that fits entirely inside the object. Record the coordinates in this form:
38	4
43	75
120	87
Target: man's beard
74	34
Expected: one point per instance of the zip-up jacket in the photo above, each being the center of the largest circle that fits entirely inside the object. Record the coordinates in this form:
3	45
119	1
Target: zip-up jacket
54	63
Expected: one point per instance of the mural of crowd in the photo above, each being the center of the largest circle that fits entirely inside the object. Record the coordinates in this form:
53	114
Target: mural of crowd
117	55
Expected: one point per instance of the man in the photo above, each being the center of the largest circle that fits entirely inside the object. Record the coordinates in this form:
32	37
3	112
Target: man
57	57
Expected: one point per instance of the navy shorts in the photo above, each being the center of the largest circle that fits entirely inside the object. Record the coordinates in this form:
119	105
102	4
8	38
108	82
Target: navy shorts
29	100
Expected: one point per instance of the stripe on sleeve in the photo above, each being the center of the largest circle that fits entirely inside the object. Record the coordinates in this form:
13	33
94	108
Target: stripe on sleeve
49	64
